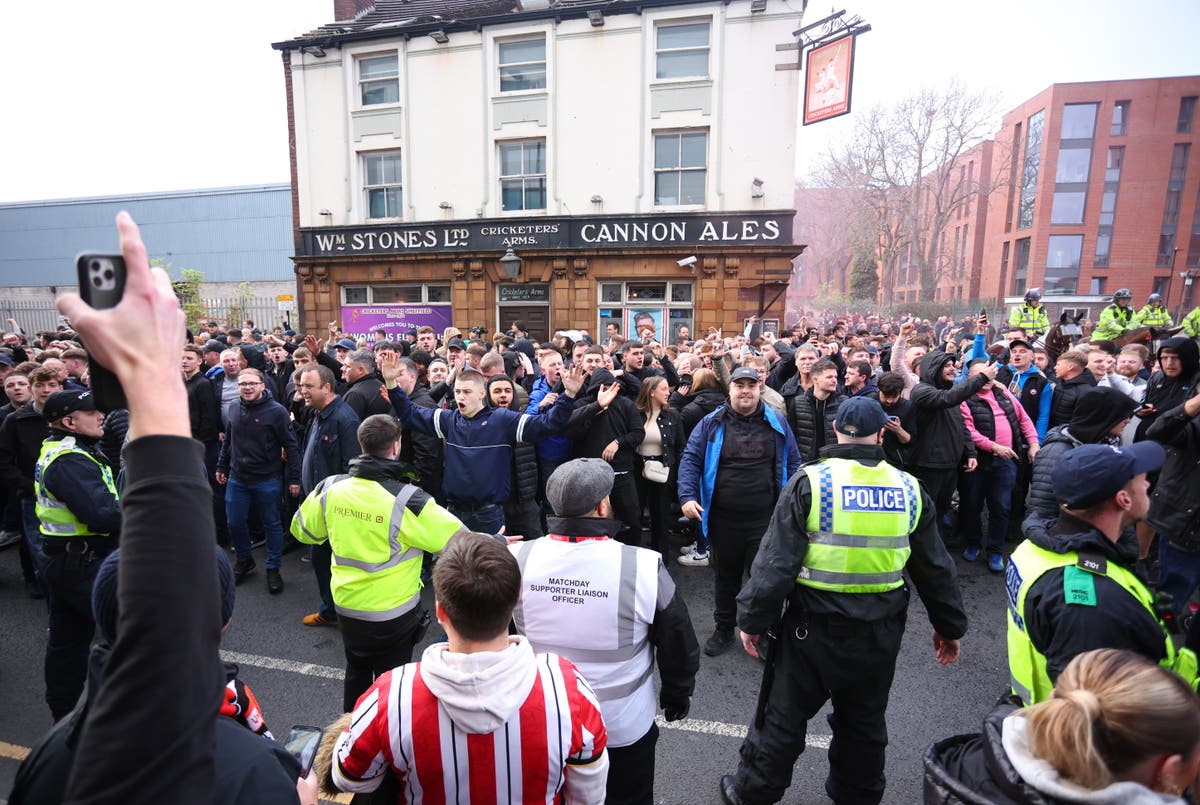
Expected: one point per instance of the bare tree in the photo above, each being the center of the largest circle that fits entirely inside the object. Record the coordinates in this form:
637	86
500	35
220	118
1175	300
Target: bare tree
904	167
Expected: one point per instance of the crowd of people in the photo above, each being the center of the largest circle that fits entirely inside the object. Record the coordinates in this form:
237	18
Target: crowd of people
817	472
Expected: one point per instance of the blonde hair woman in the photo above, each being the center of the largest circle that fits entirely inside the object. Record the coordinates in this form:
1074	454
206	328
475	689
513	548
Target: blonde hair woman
1118	729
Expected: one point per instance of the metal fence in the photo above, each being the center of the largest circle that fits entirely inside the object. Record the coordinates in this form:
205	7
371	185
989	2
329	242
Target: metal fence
38	313
32	314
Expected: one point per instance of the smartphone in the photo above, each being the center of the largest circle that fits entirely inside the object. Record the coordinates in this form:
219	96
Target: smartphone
982	312
101	285
302	743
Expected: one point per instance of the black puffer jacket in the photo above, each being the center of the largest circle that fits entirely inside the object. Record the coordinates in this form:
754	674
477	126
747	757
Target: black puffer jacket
1066	395
1098	411
974	769
698	406
592	427
802	417
944	442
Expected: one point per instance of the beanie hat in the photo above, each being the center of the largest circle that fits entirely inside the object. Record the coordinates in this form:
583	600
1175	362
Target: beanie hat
104	593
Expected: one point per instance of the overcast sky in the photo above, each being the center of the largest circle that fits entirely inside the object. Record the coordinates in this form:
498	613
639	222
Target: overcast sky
138	96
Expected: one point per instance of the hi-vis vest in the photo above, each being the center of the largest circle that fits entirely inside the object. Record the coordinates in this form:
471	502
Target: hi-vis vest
858	526
1027	665
378	533
592	602
1032	320
1151	316
55	518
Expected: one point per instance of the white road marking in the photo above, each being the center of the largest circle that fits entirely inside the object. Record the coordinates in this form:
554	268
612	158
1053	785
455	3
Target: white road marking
305	668
718	728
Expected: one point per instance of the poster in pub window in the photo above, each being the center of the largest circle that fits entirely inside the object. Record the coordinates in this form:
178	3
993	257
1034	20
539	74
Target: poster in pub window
827	80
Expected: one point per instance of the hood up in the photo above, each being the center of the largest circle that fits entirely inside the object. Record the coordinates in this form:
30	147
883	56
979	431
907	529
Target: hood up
930	370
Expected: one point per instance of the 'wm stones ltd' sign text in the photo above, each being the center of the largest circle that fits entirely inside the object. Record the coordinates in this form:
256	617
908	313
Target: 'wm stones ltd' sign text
694	229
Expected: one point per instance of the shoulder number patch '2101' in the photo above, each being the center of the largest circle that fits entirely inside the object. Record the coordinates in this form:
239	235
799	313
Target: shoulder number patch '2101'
873	499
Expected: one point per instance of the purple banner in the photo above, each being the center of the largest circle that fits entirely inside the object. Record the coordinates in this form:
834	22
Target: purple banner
360	320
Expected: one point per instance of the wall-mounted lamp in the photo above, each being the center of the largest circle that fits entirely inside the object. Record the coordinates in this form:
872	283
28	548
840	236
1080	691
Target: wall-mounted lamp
597	199
758	6
511	264
445	205
325	211
596	18
756	188
439	36
315	50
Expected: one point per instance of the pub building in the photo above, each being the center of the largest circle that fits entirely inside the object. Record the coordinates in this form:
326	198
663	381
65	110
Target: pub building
478	162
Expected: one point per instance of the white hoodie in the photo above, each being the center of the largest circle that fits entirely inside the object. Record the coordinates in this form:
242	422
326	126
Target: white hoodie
482	691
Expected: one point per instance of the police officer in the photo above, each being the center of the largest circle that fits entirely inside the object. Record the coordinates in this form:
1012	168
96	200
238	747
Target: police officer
1031	316
613	611
1071	586
79	518
844	532
1116	318
1153	314
379	526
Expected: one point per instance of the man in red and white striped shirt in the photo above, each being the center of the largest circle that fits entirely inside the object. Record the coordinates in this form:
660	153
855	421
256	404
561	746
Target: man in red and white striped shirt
481	718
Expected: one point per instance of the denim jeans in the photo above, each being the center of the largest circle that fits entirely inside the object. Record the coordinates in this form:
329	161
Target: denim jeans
1179	576
486	520
993	485
264	497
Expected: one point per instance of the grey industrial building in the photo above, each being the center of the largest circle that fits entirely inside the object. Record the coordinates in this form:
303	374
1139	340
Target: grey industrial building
230	234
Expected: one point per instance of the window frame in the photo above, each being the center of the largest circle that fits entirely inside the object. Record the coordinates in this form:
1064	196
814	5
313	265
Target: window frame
501	177
707	48
370	289
1120	118
500	64
1187	114
367	188
678	169
359	59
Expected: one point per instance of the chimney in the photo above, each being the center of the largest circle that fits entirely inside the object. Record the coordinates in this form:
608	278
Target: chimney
346	10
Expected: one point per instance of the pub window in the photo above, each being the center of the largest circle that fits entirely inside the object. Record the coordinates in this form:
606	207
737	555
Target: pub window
412	293
381	184
681	51
523	175
378	80
666	306
680	168
522	64
610	292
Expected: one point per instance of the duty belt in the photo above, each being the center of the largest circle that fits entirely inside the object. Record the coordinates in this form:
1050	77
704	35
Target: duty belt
101	546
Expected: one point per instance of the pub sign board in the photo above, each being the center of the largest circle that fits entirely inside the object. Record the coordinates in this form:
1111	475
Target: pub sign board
560	232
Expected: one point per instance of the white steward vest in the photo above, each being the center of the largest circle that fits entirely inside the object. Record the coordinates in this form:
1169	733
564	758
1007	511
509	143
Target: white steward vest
592	602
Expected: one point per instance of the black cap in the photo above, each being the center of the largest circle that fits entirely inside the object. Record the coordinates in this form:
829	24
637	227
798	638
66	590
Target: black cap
860	416
1019	342
743	373
1093	473
213	345
61	403
455	343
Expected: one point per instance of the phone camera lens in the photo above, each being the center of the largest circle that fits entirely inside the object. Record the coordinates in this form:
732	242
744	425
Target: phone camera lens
108	274
96	281
95	265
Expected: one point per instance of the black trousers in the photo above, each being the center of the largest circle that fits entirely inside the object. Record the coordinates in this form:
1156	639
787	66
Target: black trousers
375	647
655	497
624	500
733	538
939	484
631	771
69	578
823	658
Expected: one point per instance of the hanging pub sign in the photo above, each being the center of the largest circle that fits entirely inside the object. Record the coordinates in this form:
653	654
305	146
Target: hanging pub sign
828	75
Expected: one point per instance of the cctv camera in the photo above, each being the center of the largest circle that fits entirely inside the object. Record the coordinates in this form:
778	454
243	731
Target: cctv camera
687	261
